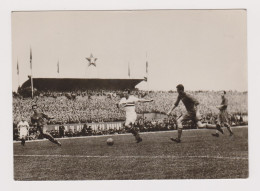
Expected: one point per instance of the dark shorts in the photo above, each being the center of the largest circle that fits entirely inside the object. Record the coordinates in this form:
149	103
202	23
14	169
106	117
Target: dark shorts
193	116
40	129
223	117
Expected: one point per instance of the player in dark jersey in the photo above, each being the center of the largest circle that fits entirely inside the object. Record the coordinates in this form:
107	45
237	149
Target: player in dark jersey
191	105
223	115
37	120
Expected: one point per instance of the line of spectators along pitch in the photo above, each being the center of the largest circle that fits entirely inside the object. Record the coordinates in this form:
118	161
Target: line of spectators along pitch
142	124
99	105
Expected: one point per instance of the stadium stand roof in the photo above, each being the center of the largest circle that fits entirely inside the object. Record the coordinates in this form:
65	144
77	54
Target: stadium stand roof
67	84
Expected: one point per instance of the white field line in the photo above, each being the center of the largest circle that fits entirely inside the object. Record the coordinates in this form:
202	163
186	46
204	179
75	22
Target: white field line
126	134
136	157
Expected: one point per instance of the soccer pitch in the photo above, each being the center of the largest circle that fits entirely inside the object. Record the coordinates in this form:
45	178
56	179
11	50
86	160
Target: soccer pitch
198	156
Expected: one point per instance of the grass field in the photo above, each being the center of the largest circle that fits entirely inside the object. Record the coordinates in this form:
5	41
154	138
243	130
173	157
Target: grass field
199	156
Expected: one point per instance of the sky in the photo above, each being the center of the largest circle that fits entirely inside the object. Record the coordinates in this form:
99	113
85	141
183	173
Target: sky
201	49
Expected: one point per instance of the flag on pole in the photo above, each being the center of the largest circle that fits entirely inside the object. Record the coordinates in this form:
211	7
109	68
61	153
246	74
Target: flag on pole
31	70
146	67
146	76
58	67
31	58
129	70
17	68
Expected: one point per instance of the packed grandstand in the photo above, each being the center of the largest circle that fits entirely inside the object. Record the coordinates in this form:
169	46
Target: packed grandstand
72	102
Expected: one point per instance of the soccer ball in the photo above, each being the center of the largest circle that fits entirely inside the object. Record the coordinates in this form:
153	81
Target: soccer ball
110	141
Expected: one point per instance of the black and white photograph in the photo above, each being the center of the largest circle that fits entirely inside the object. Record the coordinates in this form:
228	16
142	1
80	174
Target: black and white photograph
130	94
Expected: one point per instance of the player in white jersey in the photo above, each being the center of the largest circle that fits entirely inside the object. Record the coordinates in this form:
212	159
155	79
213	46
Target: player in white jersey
23	128
128	103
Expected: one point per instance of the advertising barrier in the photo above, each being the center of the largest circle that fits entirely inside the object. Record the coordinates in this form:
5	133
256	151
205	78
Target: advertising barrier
78	127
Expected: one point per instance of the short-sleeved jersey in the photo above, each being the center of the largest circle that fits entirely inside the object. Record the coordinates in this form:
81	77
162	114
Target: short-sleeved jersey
224	104
23	125
188	101
38	119
129	104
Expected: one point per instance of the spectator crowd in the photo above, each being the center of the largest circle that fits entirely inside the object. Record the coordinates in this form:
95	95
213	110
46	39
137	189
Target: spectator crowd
100	106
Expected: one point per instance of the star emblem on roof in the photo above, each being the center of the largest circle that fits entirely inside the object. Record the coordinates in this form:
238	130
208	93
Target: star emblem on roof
92	60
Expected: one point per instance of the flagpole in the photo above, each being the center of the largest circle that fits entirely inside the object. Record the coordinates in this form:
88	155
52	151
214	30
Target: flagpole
32	83
86	71
31	70
18	73
147	73
129	74
18	81
58	67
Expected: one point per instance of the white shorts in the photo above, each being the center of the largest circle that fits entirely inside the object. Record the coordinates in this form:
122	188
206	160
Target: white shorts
130	118
23	133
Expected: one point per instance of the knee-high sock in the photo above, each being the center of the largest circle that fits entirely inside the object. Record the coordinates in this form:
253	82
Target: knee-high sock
136	134
179	133
228	128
